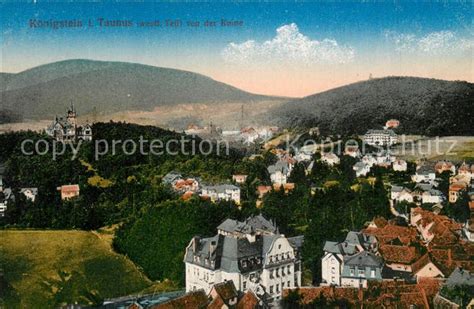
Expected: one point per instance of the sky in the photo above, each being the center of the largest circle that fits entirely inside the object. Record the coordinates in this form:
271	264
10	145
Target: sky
285	49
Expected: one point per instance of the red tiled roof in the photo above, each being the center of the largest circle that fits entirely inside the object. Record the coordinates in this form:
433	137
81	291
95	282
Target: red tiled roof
398	254
248	301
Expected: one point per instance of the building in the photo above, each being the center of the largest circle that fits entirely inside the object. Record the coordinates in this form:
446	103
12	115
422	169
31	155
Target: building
239	178
221	192
361	268
30	193
361	169
400	166
330	158
6	195
332	262
401	194
380	138
67	130
424	173
280	171
392	124
69	191
352	151
455	190
445	166
253	254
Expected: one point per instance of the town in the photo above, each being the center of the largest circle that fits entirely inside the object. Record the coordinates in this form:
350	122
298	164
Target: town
416	242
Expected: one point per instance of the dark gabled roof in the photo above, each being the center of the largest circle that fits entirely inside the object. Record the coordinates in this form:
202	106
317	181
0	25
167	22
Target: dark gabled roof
226	290
460	277
363	258
250	225
296	242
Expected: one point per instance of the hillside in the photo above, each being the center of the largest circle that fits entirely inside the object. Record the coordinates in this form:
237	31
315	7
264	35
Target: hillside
424	106
44	269
109	87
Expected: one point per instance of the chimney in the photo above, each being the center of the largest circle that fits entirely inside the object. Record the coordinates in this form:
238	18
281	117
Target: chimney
196	241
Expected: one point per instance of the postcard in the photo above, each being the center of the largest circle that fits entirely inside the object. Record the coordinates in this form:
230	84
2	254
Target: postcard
236	154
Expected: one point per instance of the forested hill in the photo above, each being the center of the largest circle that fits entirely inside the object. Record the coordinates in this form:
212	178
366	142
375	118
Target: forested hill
424	106
108	87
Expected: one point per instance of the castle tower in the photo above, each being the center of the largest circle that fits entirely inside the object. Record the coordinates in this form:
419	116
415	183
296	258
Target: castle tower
71	115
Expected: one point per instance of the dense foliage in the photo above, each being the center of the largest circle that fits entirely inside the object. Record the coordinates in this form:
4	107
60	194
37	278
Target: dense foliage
423	106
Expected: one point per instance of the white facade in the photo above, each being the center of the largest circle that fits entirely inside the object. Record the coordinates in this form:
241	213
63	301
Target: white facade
251	253
222	192
331	268
400	166
330	158
380	138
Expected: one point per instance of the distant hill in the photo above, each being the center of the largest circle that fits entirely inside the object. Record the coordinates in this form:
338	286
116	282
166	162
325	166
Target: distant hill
47	90
424	106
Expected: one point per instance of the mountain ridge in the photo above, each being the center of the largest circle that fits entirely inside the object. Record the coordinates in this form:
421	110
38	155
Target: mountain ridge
110	87
423	105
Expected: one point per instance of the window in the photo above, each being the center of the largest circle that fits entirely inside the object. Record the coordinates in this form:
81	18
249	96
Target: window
361	272
277	288
279	246
244	285
333	270
271	289
289	284
372	272
282	285
289	269
271	274
352	271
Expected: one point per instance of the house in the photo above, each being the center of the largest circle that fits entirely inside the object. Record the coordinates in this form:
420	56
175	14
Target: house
361	268
435	229
424	173
69	191
361	169
399	257
468	227
465	170
426	268
330	158
252	253
352	151
400	166
400	194
29	193
221	192
239	178
392	124
455	190
186	185
369	159
224	295
5	196
379	294
332	262
171	177
445	166
280	171
380	137
262	190
67	130
428	194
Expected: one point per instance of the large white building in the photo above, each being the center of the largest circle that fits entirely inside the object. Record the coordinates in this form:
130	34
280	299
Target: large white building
380	137
221	192
253	254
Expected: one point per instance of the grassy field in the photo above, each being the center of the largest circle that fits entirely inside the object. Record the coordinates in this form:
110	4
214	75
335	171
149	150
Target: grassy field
455	148
44	269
